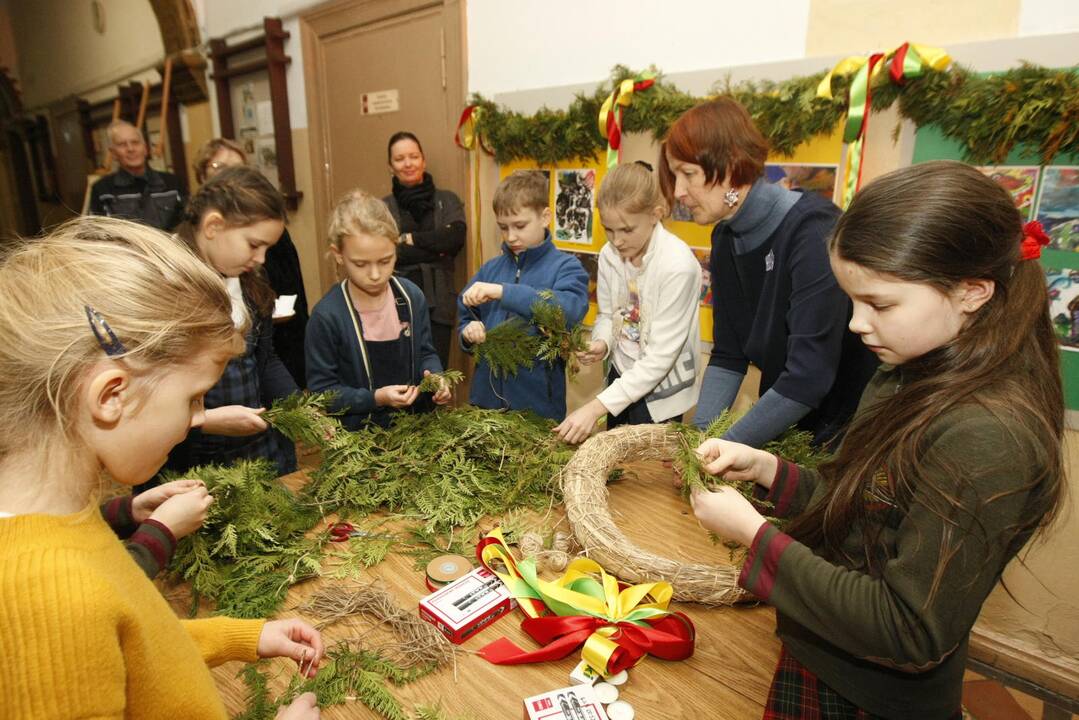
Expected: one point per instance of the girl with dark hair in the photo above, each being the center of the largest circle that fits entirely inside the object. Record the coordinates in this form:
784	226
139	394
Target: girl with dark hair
231	223
951	464
432	226
776	303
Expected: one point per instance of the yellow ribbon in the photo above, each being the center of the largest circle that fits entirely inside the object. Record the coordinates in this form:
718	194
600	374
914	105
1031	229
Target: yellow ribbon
577	592
933	57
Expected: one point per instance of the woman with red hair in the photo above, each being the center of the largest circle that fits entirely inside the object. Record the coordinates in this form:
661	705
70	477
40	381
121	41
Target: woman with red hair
775	301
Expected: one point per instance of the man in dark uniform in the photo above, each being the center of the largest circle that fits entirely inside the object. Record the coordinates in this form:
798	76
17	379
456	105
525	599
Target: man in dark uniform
136	191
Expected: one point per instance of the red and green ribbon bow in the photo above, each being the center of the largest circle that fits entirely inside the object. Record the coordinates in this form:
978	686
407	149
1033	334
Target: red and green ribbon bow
904	62
610	114
617	624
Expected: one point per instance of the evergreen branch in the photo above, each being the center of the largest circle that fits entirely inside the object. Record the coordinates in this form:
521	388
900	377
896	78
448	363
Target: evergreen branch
435	381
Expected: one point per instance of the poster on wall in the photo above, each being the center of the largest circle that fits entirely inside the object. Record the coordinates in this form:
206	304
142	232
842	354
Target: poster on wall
1064	305
1058	206
702	256
809	177
590	261
1021	182
574	193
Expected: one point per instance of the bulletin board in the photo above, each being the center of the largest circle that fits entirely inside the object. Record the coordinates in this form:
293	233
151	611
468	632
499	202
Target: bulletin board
575	225
1049	194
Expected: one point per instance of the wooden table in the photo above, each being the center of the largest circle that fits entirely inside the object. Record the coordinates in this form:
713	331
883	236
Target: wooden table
727	677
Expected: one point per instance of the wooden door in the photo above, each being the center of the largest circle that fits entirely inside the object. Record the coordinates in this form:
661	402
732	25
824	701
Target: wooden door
366	47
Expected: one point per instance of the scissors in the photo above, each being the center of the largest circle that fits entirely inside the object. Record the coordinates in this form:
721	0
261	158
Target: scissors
342	531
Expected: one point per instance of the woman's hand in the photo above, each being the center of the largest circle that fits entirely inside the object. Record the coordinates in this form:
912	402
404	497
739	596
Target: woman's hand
481	292
727	513
735	461
580	423
146	502
474	333
305	707
234	421
443	395
184	513
596	351
396	396
292	638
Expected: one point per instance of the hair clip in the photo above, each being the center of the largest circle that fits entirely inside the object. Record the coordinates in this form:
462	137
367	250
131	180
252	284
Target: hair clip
642	163
106	338
1034	239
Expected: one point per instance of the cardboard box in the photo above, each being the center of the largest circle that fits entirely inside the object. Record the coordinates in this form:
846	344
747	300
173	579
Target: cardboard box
577	702
467	605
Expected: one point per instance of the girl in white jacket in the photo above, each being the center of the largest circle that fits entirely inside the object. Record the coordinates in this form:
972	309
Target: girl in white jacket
647	328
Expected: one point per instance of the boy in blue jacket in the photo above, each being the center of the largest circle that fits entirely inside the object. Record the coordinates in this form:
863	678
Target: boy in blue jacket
369	339
508	285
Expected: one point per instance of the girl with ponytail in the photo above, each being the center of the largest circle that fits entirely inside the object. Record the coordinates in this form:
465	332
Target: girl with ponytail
950	465
231	222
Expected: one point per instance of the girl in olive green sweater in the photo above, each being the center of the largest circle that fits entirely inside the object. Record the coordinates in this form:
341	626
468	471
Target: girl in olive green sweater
950	465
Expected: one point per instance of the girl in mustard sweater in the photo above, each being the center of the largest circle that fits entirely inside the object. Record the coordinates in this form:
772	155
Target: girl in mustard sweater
110	335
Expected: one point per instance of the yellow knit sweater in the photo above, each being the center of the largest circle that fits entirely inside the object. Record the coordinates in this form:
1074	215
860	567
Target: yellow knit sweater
84	633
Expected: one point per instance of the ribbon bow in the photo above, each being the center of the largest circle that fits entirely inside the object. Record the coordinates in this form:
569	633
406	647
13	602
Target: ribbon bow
617	624
1034	239
909	60
610	114
465	136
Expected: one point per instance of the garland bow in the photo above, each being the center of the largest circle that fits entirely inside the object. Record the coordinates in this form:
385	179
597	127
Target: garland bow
610	114
907	61
617	624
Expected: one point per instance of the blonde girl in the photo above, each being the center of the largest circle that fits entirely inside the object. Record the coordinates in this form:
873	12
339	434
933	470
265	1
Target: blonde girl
110	335
647	327
369	338
951	463
231	222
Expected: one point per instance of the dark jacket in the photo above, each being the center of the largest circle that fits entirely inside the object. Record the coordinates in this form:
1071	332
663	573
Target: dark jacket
543	388
155	198
779	306
428	262
874	638
337	358
283	270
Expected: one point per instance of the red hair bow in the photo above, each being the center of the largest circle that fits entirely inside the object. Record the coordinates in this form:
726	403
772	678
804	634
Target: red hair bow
1034	239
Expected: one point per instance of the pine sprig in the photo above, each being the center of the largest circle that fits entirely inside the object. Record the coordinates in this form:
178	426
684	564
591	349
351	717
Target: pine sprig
251	547
508	347
558	343
435	381
304	417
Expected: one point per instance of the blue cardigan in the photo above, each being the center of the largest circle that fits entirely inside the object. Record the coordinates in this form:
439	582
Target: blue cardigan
338	362
543	388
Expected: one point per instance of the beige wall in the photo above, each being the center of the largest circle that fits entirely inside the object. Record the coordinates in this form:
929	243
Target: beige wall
61	54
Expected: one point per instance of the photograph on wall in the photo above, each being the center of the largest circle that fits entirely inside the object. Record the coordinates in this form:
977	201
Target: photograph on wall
681	213
591	266
702	255
1058	206
1064	305
809	177
1021	182
574	193
265	158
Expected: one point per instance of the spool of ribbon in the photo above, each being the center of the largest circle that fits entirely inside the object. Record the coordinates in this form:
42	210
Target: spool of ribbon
610	114
617	624
907	61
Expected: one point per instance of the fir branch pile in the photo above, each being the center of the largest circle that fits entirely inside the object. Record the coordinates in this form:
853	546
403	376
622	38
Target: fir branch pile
446	469
251	547
987	115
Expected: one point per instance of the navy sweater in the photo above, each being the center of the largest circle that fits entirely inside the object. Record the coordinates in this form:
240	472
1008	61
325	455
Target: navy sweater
544	267
779	307
336	360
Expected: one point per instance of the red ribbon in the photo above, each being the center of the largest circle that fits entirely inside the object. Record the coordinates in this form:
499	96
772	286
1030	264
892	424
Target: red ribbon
1034	239
614	118
895	68
668	638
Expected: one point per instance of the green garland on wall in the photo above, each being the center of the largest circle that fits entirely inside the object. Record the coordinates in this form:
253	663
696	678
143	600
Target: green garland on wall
987	115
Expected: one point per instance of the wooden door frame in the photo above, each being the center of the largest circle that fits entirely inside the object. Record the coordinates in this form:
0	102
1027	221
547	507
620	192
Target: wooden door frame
327	20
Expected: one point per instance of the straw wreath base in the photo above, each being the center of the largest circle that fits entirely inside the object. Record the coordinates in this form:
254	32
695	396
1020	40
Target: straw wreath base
584	487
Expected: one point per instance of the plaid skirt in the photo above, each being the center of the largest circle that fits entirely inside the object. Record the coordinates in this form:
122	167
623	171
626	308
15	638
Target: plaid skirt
797	694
